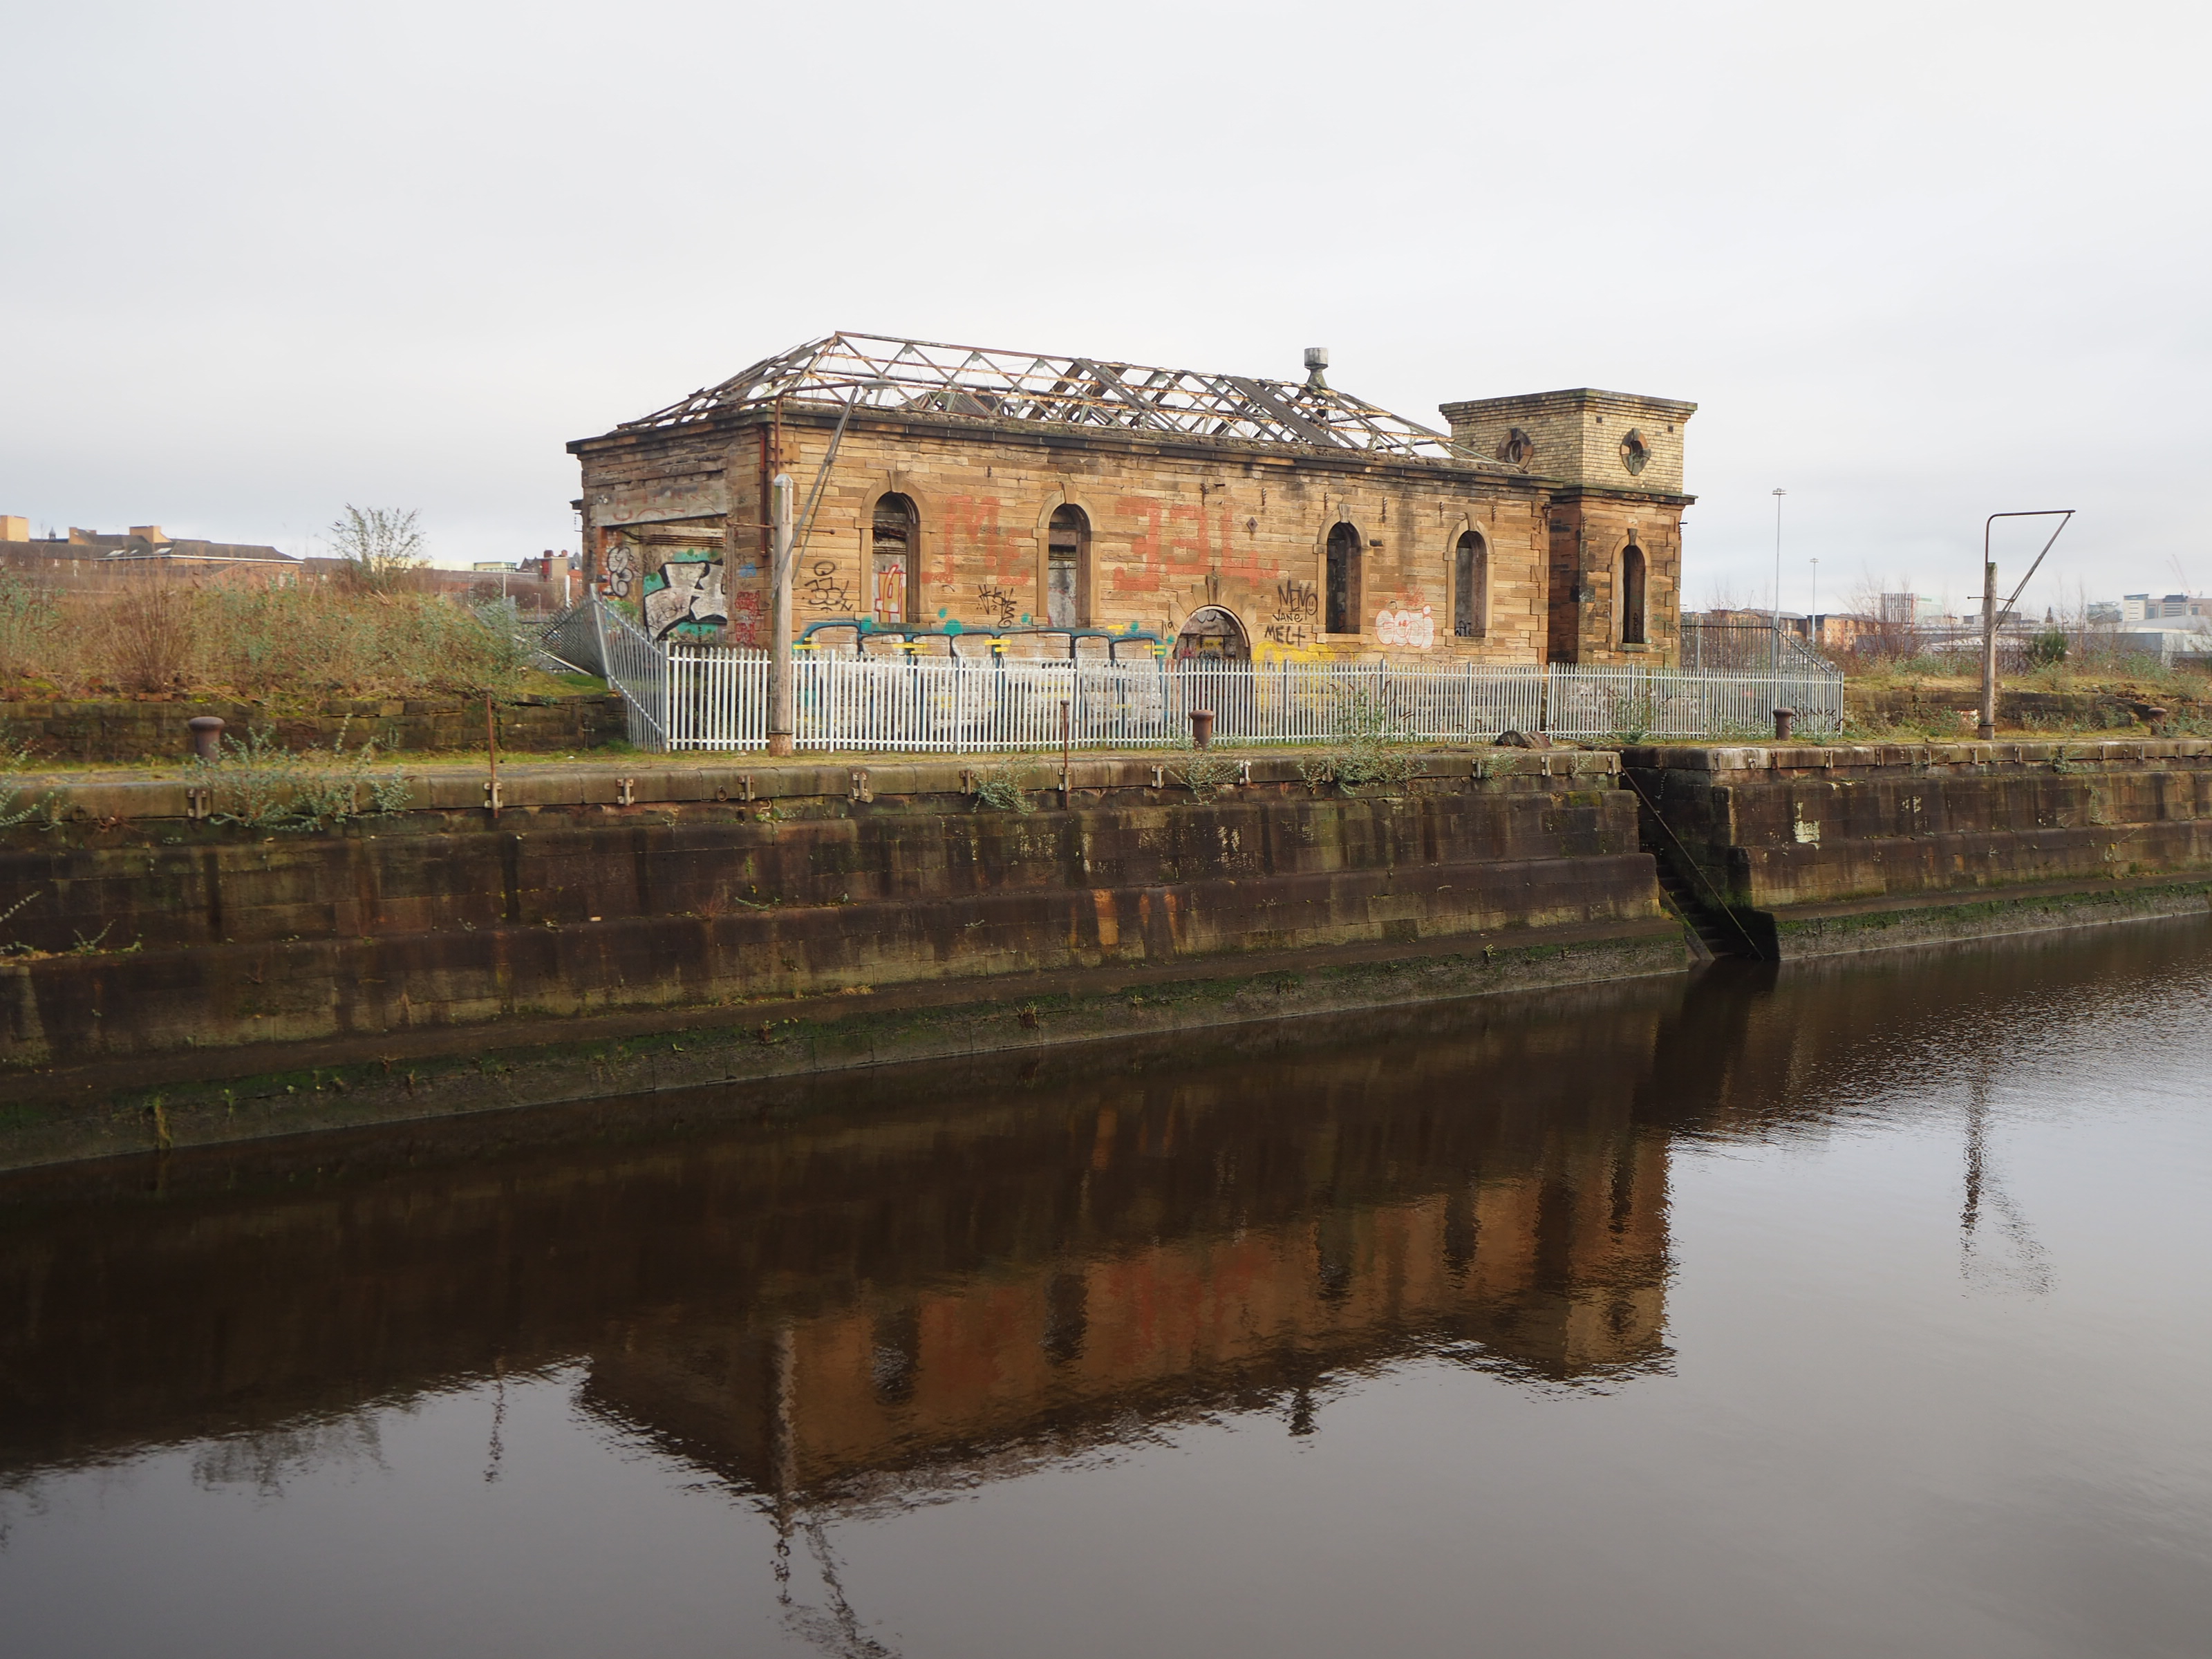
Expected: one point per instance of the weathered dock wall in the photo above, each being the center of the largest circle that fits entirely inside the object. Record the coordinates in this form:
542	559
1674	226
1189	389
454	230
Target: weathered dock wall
156	944
1829	849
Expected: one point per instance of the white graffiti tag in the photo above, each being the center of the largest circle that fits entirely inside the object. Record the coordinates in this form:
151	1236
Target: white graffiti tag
1417	629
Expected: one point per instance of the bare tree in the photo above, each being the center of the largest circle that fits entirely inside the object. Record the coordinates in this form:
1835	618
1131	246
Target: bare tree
381	545
1892	630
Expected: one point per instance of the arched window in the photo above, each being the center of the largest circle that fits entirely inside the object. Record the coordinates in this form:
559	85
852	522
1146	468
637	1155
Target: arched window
1632	595
1471	588
890	548
1343	616
1213	633
1067	594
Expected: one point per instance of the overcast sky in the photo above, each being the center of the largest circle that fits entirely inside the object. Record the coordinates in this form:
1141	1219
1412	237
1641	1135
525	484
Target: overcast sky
1916	263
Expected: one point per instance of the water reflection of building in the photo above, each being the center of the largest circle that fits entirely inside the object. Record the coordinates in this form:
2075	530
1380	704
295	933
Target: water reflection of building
1552	1265
924	1271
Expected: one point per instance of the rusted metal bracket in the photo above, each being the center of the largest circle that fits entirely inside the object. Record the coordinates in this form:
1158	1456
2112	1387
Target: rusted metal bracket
625	792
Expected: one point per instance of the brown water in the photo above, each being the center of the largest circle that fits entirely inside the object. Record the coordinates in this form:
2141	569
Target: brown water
1867	1310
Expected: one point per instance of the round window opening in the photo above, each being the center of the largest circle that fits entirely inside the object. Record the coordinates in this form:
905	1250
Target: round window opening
1635	454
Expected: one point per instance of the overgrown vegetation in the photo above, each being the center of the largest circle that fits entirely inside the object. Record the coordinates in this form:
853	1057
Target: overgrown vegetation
16	805
381	546
1369	749
260	784
170	635
1004	786
1206	774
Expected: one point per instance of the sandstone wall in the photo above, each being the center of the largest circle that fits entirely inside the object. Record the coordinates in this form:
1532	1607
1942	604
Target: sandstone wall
1173	527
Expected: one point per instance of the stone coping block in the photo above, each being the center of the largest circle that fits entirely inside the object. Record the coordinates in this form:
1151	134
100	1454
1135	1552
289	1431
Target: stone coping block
1826	759
638	782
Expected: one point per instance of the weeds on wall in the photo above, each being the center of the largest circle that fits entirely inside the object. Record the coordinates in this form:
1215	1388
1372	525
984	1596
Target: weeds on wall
1206	774
18	806
1370	747
258	783
1005	786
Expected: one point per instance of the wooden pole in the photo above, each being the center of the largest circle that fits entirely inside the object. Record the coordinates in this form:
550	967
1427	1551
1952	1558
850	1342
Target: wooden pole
491	752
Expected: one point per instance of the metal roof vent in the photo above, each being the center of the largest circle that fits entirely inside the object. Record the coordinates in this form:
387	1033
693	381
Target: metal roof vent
1317	360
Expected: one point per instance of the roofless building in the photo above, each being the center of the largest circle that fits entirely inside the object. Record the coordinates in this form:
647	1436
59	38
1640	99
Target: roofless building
949	491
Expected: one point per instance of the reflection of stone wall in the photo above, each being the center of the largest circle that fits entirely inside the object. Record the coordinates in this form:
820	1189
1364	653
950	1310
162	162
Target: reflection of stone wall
956	1260
1559	1271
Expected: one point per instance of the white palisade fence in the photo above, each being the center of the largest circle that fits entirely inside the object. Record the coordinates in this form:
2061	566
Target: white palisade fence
682	695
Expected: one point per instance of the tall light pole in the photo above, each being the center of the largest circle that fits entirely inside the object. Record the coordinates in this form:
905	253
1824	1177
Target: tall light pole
1812	616
1779	495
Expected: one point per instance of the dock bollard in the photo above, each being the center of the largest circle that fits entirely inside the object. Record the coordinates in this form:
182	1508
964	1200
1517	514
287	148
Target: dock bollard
207	736
1782	719
1202	728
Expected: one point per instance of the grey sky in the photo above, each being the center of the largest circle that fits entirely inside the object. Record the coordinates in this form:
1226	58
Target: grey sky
1917	262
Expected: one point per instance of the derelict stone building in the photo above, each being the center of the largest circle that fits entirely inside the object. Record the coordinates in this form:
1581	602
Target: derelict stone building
1061	504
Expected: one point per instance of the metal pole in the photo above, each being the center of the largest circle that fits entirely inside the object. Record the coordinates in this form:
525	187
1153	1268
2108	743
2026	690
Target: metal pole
1812	616
1777	666
1988	728
780	722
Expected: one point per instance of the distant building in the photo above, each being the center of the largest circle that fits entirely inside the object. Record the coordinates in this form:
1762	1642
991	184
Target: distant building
141	541
2174	607
89	561
1910	610
2106	610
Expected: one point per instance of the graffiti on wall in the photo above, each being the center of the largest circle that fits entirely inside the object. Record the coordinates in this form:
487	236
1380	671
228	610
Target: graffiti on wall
999	609
618	571
826	589
748	619
683	599
1296	623
1406	626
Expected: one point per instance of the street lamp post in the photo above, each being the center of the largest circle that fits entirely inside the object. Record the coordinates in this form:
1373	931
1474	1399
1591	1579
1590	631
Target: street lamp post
1813	613
1776	665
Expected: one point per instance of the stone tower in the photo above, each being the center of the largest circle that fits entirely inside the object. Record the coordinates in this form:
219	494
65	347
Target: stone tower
1613	463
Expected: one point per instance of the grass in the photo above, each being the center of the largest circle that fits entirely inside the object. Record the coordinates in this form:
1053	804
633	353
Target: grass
178	635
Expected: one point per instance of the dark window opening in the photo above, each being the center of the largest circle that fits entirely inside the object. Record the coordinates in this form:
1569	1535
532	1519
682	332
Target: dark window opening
891	546
1470	587
895	1357
1066	1318
1632	595
1343	581
1066	603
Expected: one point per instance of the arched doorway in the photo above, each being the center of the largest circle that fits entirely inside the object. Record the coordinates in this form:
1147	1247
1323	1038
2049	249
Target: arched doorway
1470	587
1211	634
1632	595
890	548
1067	539
1342	615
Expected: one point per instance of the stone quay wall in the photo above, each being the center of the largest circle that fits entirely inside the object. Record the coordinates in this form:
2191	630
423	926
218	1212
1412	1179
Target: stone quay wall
1838	848
139	931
